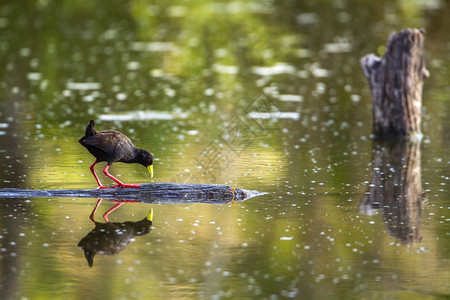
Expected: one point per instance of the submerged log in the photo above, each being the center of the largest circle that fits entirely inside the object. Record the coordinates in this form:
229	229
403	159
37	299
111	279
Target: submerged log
396	82
147	193
396	188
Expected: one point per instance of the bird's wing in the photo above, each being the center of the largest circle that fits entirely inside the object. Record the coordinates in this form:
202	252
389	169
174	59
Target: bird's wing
108	141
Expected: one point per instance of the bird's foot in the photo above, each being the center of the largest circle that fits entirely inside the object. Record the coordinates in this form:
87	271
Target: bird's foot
127	185
101	187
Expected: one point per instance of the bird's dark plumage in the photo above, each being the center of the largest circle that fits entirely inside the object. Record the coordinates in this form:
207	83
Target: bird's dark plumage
112	146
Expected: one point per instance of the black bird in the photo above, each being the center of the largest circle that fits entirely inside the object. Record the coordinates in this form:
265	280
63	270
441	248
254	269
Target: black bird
112	146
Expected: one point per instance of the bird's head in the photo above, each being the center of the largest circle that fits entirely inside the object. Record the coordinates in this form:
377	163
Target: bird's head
145	158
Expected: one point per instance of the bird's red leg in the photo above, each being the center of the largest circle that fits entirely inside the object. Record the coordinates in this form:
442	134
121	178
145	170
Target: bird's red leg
92	167
105	215
120	183
95	209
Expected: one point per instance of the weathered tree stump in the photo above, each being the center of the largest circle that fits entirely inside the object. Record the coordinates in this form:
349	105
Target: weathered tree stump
396	82
396	188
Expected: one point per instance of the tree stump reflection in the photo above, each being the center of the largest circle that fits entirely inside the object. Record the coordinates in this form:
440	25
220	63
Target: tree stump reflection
396	188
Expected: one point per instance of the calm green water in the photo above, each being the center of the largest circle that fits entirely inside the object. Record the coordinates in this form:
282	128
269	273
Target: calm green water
193	81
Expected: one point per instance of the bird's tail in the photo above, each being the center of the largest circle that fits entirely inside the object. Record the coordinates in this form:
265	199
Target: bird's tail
90	130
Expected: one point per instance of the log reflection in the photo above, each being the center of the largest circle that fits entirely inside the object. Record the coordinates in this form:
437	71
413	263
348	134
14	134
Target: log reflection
112	237
396	188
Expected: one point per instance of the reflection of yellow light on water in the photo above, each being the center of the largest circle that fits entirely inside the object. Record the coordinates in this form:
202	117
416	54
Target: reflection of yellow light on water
261	162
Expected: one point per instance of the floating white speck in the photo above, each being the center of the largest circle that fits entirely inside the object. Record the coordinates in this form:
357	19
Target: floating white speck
153	46
303	53
144	115
290	98
83	86
239	7
170	92
34	76
276	69
319	72
209	92
340	47
177	11
274	115
223	69
157	73
133	65
192	132
307	18
88	98
121	96
286	238
24	52
355	98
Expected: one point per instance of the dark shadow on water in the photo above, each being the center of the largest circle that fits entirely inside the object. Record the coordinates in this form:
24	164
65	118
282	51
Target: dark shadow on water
396	189
112	237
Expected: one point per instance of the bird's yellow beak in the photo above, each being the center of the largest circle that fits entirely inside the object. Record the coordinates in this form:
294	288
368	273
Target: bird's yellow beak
150	170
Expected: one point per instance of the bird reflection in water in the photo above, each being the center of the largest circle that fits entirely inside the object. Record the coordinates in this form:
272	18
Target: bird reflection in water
112	237
105	215
396	188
